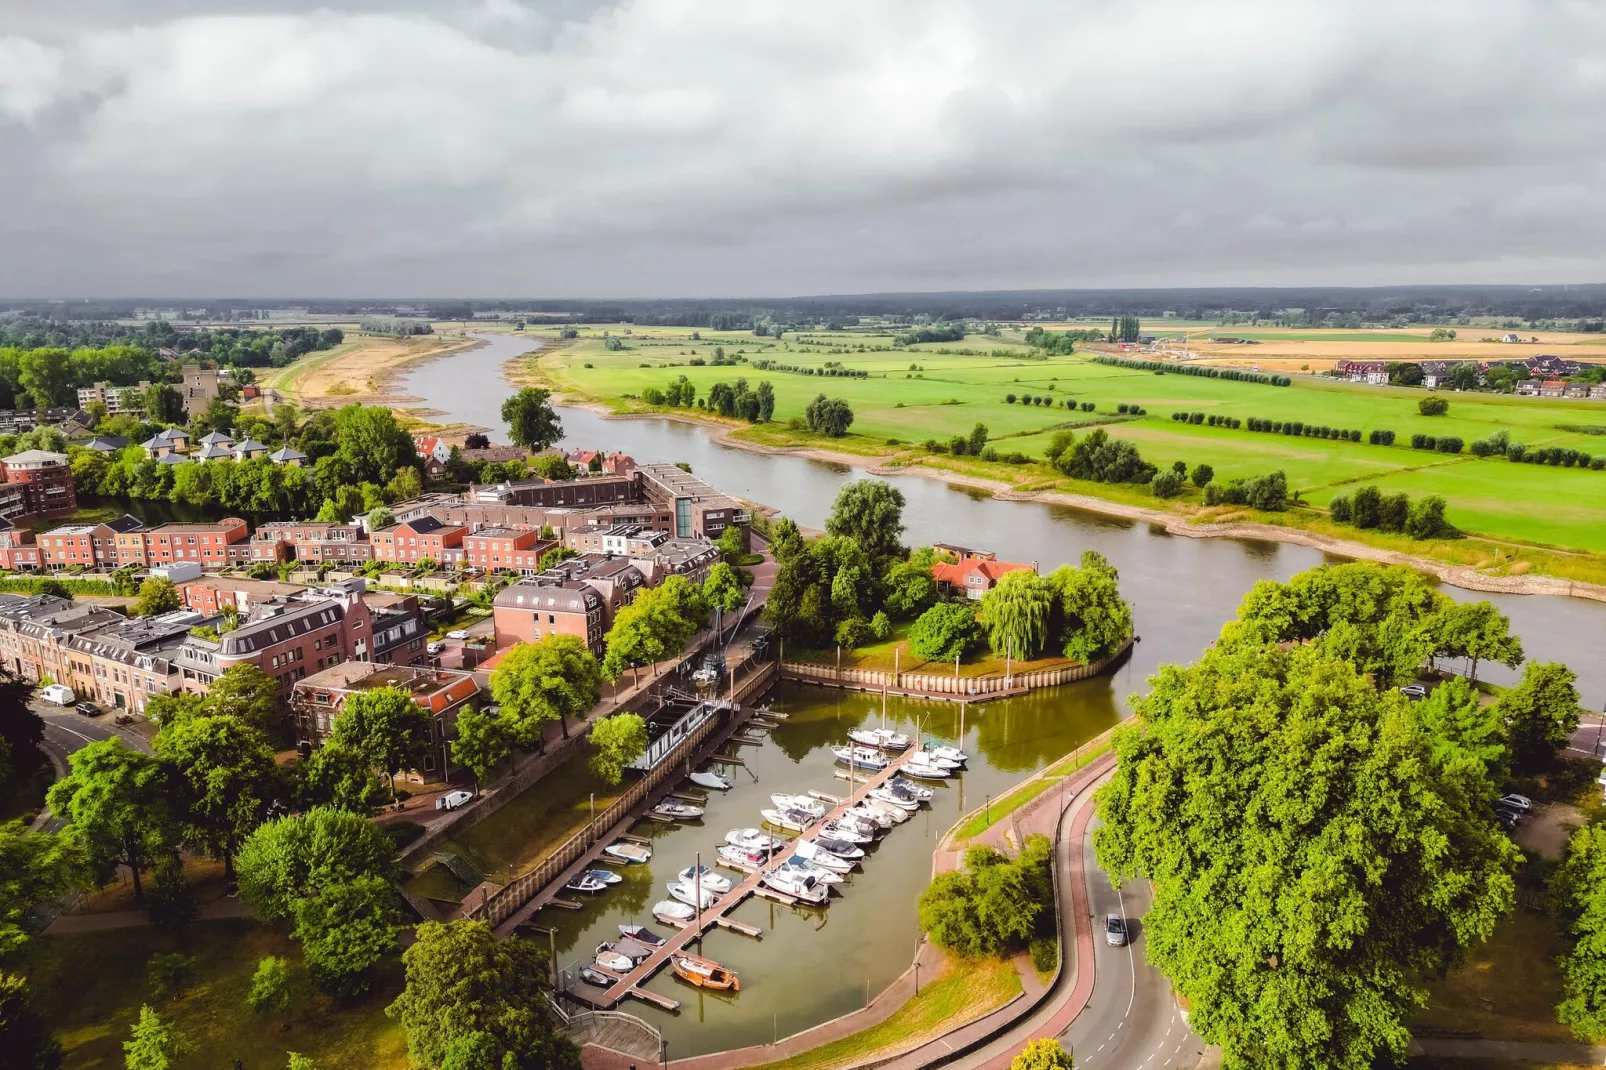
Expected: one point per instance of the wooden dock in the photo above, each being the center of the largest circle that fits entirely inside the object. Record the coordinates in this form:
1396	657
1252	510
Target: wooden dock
739	927
628	987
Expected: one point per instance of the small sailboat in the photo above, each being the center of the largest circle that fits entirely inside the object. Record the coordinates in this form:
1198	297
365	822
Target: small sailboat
754	840
844	849
672	913
676	810
711	780
593	976
710	881
642	935
688	895
794	820
884	794
807	869
606	876
625	851
705	973
805	803
880	738
861	758
585	882
609	959
803	888
926	771
813	853
926	757
910	789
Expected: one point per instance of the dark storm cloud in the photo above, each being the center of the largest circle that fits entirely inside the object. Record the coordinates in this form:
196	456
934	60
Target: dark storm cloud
670	147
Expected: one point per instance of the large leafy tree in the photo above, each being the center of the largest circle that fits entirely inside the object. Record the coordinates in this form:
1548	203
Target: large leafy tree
464	984
1540	713
24	1035
249	695
345	931
1579	892
657	625
21	729
482	743
291	858
226	779
35	867
869	511
387	727
1313	860
1094	620
117	802
531	419
370	444
945	631
156	595
1018	614
616	742
828	416
339	776
910	588
722	590
551	680
993	904
1478	632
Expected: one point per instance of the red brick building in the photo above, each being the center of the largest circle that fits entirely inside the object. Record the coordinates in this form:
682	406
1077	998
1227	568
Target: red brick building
530	610
495	548
311	541
86	544
45	480
212	545
316	702
414	540
975	573
17	548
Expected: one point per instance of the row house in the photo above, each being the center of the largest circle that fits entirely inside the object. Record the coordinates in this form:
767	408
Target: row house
92	545
615	579
609	464
317	701
493	549
18	551
414	540
691	558
212	596
621	539
531	610
122	665
1372	372
212	545
35	632
43	479
314	542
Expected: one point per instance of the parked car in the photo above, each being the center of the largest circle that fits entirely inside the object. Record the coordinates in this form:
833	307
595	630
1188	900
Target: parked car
1516	802
453	799
60	694
436	647
457	633
1414	691
1115	930
1507	818
88	709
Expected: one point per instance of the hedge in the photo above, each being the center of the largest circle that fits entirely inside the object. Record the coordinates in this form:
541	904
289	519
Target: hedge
31	585
1203	370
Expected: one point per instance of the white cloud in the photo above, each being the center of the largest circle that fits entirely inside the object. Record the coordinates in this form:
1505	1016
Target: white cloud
719	146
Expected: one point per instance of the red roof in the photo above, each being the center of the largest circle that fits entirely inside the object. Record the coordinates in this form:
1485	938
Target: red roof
956	574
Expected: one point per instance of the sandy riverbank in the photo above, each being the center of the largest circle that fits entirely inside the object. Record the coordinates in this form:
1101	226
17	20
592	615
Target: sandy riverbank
366	372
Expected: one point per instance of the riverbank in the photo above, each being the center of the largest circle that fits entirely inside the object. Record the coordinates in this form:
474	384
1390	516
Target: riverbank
365	369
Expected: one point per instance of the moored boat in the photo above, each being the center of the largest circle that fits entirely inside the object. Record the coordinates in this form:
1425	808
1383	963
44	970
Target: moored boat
837	830
754	840
688	895
808	869
794	820
886	795
672	913
606	876
866	758
802	887
941	750
625	851
805	803
742	858
711	780
845	849
642	935
710	881
812	852
880	738
593	976
705	973
897	815
610	959
676	810
585	882
876	819
926	772
910	789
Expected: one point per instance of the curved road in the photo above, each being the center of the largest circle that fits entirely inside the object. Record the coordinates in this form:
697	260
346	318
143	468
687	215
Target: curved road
67	730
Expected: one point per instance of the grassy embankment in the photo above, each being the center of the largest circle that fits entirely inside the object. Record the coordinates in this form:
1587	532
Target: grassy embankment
1523	518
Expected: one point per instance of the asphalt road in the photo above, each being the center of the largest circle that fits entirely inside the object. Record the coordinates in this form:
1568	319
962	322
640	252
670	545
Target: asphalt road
66	730
1131	1020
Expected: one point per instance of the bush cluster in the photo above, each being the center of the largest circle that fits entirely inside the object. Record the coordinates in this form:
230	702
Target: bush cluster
1439	443
1296	428
1268	492
1131	410
1208	419
1204	370
1381	438
1370	508
1098	458
828	370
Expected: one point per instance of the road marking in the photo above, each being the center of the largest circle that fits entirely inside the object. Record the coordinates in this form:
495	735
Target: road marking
1131	959
71	732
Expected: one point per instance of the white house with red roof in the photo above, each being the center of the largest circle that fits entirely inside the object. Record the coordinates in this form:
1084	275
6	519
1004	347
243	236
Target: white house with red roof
975	572
432	446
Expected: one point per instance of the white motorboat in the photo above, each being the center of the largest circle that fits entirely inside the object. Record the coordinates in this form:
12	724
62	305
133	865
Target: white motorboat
926	757
880	738
672	913
606	876
688	895
743	858
884	794
878	819
609	959
897	815
866	758
865	823
837	830
844	849
819	873
711	780
625	851
794	820
952	754
710	881
642	935
754	840
812	852
805	803
924	771
803	888
585	882
676	810
910	788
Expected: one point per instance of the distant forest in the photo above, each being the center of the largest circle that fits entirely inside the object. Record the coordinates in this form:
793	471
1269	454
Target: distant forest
1296	306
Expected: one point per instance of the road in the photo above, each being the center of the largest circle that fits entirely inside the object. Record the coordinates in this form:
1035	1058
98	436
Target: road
66	730
1131	1019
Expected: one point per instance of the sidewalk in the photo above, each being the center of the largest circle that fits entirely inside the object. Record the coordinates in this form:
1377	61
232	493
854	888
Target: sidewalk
129	919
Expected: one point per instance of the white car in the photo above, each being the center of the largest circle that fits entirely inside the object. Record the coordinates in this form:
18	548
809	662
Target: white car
436	647
453	799
457	633
1516	802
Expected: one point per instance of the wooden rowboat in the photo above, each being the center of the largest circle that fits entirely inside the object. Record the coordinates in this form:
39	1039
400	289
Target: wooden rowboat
705	973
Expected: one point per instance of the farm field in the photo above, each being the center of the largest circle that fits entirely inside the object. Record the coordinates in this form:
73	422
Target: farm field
936	391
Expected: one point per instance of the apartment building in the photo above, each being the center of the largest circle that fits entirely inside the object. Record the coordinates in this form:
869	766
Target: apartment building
212	545
122	665
530	610
312	542
94	545
691	558
110	396
607	538
35	631
199	388
414	540
18	551
316	702
212	596
44	481
493	549
614	578
699	510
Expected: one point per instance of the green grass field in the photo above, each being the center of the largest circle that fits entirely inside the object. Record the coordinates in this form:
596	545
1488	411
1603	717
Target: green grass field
931	391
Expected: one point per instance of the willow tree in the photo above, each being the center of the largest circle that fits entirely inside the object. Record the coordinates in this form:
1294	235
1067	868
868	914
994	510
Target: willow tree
1017	614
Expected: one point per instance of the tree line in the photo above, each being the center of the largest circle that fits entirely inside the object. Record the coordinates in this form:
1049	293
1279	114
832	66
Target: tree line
1205	370
934	332
1370	508
828	370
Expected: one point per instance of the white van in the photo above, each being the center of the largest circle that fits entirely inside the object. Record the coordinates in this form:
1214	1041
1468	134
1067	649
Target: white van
60	694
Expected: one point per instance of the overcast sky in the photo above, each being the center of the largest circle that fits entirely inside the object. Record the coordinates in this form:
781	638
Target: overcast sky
740	147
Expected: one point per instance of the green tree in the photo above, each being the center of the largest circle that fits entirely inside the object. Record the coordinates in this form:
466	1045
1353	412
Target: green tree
250	696
1312	865
1476	631
1540	714
870	512
1202	474
346	930
1044	1054
341	777
482	743
157	595
828	416
24	1036
293	858
461	980
616	742
1461	724
722	590
1579	893
1017	613
225	779
270	986
35	867
532	421
550	680
657	625
1095	621
21	729
379	517
370	445
1433	406
116	803
908	585
405	485
386	727
299	1062
45	375
153	1043
946	631
552	466
992	905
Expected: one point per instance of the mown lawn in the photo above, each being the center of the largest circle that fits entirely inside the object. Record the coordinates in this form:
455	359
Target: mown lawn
894	651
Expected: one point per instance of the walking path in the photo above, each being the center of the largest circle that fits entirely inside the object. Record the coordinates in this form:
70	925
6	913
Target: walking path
1534	1051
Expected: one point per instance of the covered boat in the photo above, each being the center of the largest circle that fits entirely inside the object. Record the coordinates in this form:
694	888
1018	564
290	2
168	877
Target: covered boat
642	935
812	852
754	840
880	738
841	848
795	820
909	789
886	795
837	830
672	913
626	851
610	959
809	869
711	780
606	876
676	810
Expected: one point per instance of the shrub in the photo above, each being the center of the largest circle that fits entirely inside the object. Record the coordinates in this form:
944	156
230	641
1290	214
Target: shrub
945	631
1045	954
1381	438
1433	406
1202	474
1449	444
1168	484
1339	509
